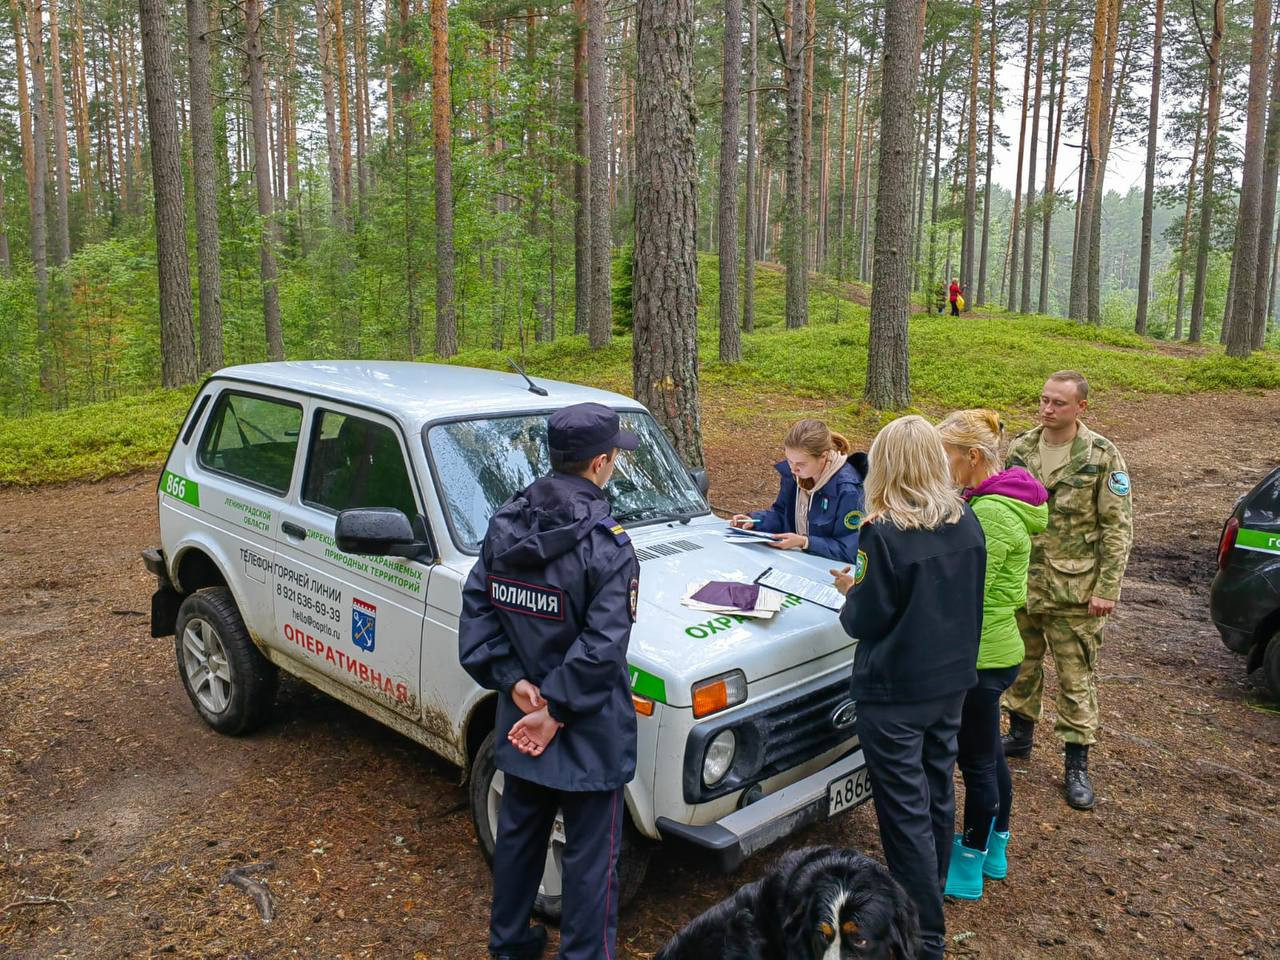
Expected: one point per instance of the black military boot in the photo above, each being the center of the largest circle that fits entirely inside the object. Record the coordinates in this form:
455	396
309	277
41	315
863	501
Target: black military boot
1079	789
1017	742
533	950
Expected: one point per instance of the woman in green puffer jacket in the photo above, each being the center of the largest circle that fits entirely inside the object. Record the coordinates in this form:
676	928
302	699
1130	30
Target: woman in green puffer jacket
1010	506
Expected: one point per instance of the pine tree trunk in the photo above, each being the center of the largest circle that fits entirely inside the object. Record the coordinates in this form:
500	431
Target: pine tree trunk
324	50
601	326
1028	216
888	378
262	180
749	223
1266	241
1210	157
1050	192
24	101
1250	280
344	101
969	231
1081	248
6	263
1112	96
362	104
38	187
991	127
1149	187
61	151
1015	224
1186	219
665	342
917	249
83	139
581	172
795	242
730	342
177	333
408	129
442	136
205	183
937	167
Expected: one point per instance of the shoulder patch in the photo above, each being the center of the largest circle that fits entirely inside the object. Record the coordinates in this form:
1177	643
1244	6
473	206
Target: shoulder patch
1118	483
633	597
615	530
853	519
860	567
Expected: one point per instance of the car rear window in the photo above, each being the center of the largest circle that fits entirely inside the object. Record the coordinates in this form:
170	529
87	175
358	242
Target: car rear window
353	462
252	438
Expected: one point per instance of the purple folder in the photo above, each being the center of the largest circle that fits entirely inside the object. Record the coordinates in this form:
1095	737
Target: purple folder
726	593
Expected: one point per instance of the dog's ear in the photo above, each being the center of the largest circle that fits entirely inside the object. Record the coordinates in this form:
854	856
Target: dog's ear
793	927
904	931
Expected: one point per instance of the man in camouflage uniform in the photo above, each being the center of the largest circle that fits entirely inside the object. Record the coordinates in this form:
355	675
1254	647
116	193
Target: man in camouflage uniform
1074	579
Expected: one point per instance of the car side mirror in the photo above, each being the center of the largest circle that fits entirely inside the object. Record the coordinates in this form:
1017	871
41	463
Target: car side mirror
700	480
377	532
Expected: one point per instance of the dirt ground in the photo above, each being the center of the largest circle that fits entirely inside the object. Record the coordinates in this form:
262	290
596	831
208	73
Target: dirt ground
120	812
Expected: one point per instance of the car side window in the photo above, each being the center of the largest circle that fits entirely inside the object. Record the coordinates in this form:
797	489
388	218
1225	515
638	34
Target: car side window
353	462
252	438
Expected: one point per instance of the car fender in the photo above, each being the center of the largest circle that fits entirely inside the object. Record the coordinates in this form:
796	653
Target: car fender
232	575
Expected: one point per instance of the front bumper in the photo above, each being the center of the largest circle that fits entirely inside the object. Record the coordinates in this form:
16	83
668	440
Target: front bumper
737	836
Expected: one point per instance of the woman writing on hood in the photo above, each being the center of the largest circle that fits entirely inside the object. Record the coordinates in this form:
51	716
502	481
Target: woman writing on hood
819	507
1010	506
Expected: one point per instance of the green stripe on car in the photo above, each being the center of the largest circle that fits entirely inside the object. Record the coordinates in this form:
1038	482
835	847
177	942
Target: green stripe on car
1258	540
180	488
647	685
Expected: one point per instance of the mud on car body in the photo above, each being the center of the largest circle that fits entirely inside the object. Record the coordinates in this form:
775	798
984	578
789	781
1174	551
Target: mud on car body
1245	598
321	519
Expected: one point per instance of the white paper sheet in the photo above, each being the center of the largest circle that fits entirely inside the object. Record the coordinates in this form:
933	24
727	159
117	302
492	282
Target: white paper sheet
823	594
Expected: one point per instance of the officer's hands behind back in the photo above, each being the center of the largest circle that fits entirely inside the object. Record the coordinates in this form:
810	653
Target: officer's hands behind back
527	697
533	732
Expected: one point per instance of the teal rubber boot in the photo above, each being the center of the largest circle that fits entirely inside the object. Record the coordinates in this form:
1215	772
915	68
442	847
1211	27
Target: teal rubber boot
964	874
996	866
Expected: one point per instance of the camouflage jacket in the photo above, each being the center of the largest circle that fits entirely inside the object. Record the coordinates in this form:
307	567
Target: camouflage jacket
1083	552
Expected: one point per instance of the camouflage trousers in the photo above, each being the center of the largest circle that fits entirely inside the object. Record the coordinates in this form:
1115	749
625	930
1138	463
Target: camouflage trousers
1074	641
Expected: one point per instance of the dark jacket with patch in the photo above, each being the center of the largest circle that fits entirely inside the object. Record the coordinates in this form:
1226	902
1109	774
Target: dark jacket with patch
916	611
835	512
551	599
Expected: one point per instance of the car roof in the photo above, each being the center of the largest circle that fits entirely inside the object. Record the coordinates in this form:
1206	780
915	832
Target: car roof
417	393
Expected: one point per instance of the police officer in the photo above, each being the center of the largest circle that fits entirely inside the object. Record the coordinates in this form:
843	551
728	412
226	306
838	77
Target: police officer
546	618
1073	582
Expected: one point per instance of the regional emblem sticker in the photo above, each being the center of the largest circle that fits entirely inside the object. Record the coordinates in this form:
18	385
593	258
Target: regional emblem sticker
364	619
860	567
853	519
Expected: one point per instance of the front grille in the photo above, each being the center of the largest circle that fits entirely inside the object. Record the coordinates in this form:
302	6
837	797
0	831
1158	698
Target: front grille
668	549
801	729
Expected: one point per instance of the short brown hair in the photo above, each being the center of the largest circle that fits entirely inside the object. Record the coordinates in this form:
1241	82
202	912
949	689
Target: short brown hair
1072	376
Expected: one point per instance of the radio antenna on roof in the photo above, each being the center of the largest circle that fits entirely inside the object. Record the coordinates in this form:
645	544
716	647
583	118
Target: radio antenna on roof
533	387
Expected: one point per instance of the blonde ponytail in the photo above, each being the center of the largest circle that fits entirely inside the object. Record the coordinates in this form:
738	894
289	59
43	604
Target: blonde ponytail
980	430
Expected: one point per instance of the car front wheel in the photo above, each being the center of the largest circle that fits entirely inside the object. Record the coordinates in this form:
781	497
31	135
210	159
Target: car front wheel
230	683
1271	664
486	797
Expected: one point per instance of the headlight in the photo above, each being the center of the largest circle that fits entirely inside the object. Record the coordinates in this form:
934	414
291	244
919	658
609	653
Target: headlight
719	757
719	693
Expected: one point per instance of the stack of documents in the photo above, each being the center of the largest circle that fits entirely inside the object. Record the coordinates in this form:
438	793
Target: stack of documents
739	599
739	535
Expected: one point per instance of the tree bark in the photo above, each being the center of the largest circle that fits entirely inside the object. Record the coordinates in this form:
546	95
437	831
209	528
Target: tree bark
730	342
795	220
83	140
344	102
24	101
442	135
1050	192
1266	241
205	183
969	231
888	376
1080	250
665	343
937	166
1149	187
581	171
1028	217
1014	225
262	180
749	230
1210	158
986	190
1186	219
38	186
177	333
1251	276
324	51
601	326
61	151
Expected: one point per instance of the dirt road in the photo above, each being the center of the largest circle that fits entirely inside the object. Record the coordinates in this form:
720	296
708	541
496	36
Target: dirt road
120	812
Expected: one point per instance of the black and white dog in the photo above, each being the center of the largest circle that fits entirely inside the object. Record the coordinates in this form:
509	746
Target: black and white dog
820	903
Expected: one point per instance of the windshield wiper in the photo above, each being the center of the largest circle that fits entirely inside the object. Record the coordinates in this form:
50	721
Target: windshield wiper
656	515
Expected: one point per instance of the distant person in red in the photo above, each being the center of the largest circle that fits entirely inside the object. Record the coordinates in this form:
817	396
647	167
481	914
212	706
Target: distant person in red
956	291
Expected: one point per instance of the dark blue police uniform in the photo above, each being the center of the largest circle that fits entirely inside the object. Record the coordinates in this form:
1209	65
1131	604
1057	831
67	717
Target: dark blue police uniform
835	511
551	599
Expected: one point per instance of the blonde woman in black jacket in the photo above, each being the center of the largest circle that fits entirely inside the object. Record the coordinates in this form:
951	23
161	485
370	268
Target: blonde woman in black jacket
914	604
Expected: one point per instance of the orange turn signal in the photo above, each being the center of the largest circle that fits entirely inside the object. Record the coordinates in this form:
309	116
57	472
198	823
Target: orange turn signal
643	705
710	698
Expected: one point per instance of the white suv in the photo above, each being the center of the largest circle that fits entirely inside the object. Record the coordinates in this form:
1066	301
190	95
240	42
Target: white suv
279	553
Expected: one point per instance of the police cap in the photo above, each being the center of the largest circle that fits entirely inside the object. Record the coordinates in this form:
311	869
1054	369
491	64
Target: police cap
586	430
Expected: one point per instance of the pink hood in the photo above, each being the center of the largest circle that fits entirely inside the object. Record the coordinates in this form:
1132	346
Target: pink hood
1015	483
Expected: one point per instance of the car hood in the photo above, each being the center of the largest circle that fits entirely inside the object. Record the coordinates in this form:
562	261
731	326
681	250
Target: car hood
681	646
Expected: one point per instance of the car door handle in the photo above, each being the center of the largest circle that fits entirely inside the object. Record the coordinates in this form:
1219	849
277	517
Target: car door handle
293	530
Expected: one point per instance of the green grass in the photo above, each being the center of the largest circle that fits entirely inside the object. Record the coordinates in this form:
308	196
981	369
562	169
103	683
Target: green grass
998	361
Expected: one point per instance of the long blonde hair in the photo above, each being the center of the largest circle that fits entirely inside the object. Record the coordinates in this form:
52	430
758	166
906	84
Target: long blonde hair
908	480
979	430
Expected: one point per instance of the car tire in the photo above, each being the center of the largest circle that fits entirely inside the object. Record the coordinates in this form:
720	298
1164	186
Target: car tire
485	794
230	683
1271	664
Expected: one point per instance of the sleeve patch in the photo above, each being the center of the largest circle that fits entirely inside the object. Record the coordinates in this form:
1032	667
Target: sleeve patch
633	597
1118	483
860	567
853	519
615	530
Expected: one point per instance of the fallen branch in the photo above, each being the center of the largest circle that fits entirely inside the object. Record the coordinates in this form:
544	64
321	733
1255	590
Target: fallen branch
36	902
239	878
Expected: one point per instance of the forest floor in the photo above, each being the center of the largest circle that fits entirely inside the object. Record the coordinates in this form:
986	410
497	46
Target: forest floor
121	813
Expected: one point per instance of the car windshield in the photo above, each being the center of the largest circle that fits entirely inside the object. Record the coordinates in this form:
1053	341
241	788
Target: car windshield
481	463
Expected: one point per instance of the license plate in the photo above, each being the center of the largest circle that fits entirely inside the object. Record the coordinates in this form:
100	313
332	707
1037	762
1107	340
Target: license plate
849	791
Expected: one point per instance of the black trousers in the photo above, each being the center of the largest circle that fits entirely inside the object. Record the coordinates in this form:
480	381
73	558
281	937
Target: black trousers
988	788
911	752
593	833
955	308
